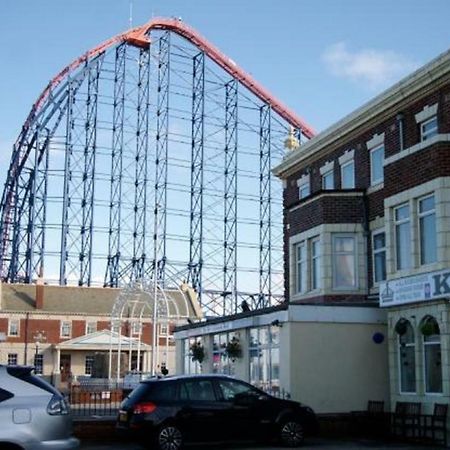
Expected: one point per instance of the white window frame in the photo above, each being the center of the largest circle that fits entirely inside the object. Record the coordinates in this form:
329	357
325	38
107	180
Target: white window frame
399	362
396	224
374	181
88	366
315	263
38	367
12	359
68	324
376	252
343	167
325	175
355	261
12	321
421	215
425	135
300	266
89	324
424	366
304	190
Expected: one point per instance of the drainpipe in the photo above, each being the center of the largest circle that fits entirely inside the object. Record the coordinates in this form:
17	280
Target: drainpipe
25	354
400	120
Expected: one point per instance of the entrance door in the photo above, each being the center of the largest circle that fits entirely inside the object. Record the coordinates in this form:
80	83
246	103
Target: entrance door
65	367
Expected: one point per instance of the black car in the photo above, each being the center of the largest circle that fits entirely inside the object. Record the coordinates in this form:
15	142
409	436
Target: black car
165	413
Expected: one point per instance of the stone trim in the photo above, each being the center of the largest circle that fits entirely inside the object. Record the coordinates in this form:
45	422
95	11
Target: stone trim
427	113
305	179
327	167
346	157
376	141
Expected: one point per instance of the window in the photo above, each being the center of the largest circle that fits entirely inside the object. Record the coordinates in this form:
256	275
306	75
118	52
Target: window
136	327
190	366
264	352
432	356
300	267
230	389
379	256
164	329
88	364
328	180
427	230
12	359
304	190
66	328
221	362
407	359
315	264
38	364
428	128
348	175
197	390
344	262
376	165
402	237
91	327
14	327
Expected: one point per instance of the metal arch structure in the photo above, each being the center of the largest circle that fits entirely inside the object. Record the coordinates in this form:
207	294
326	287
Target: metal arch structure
149	157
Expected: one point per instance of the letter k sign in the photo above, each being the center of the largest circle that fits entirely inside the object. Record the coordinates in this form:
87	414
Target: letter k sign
441	285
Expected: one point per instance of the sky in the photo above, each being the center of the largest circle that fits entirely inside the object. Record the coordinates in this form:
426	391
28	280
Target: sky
322	58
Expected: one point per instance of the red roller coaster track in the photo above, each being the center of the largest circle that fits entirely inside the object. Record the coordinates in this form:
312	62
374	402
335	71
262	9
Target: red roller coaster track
139	37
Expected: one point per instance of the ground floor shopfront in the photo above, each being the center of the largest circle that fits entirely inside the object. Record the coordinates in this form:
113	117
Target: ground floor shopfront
333	358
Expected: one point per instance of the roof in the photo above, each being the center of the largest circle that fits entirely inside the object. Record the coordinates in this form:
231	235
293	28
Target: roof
81	300
102	340
410	88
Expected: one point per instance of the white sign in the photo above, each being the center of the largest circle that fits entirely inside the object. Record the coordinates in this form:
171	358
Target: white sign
418	288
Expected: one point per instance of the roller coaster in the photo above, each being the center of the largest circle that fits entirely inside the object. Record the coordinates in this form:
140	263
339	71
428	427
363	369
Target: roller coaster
150	156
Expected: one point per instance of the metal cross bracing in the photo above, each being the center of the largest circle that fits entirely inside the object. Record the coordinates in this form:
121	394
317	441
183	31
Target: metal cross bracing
141	156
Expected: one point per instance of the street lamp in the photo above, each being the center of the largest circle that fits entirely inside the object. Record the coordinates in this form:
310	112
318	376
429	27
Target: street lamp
39	338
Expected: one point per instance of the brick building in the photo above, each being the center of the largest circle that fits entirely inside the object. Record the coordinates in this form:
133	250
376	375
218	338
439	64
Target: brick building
367	221
60	330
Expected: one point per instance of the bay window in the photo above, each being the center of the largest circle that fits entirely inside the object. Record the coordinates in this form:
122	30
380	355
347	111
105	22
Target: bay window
344	262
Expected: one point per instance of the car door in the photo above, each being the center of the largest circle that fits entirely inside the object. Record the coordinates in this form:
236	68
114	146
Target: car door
200	410
247	411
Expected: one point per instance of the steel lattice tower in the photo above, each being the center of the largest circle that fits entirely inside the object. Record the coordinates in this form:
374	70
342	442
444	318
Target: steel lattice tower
150	156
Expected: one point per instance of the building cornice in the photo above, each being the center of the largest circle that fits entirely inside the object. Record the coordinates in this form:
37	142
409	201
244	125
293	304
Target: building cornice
406	91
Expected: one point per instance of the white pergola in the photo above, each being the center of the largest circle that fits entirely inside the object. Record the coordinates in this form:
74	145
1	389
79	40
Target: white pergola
140	302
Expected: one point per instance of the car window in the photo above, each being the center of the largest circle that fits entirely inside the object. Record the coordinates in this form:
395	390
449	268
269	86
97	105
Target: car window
5	395
231	388
197	390
154	391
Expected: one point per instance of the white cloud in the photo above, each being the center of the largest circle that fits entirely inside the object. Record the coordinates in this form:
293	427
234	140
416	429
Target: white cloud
375	68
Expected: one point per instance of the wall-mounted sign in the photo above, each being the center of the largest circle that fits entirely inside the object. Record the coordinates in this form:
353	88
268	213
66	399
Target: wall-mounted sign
417	288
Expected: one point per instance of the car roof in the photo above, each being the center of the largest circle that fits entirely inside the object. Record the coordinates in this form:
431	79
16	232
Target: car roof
189	377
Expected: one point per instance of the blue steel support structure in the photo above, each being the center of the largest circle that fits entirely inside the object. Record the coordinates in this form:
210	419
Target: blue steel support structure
79	178
161	157
197	153
87	202
265	212
230	302
141	175
115	205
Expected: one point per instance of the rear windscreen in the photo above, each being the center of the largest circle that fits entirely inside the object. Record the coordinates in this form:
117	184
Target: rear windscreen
28	377
5	395
154	392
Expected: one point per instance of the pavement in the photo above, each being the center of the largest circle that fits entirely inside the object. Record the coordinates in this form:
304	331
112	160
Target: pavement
310	444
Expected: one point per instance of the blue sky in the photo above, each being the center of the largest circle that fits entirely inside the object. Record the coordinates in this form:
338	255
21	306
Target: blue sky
323	58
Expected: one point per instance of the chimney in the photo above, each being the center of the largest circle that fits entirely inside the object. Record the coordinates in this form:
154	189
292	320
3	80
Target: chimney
40	291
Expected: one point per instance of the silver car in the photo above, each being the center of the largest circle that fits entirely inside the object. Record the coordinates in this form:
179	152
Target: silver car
33	414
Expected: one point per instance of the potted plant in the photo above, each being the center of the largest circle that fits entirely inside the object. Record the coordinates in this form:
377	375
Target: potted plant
401	326
429	327
197	352
233	349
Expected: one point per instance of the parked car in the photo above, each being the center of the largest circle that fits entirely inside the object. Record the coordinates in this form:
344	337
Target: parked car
165	413
33	414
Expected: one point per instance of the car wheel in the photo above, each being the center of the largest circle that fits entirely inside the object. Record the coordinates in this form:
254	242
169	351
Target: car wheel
292	433
169	438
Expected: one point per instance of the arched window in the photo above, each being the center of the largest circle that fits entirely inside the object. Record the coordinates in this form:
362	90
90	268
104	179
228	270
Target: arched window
431	355
406	356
